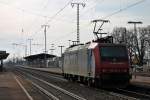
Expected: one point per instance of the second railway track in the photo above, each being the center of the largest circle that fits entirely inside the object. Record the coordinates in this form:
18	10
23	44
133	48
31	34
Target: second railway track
141	93
53	91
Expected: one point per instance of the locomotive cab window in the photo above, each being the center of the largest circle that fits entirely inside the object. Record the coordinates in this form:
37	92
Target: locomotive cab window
113	53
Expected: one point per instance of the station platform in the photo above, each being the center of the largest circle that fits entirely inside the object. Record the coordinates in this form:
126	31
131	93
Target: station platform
9	87
52	70
56	70
140	79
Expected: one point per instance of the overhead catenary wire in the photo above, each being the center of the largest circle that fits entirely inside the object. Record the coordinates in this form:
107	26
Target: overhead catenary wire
123	9
68	34
44	5
51	18
107	16
92	5
54	16
22	9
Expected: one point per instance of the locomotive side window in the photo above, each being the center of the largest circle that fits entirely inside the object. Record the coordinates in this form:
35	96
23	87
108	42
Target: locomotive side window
116	53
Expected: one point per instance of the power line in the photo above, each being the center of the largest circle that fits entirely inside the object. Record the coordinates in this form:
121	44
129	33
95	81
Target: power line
120	10
68	34
54	16
125	8
87	10
44	7
38	14
96	2
51	18
109	15
21	9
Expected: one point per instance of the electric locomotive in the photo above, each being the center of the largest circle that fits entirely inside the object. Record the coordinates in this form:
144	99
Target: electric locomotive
101	63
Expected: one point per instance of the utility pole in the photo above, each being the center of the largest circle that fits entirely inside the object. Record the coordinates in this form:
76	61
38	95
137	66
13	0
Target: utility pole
45	30
61	58
14	56
61	49
30	40
78	30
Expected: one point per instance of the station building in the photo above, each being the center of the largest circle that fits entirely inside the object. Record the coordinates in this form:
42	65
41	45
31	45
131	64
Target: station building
38	60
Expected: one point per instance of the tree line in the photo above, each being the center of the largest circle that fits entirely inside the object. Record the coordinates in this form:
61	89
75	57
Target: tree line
137	42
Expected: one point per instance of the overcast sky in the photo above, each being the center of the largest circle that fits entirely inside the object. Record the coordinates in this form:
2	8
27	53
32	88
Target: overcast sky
22	19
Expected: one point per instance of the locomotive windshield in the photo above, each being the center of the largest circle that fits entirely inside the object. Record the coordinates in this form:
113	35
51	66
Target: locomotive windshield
113	53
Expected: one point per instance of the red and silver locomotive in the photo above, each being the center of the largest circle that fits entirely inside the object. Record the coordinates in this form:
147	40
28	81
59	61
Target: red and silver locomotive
100	62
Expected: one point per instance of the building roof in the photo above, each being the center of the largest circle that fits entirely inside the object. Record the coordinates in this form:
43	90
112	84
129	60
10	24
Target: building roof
39	56
3	55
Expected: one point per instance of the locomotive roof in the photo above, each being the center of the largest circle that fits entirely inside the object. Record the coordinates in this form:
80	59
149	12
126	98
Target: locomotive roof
91	45
80	47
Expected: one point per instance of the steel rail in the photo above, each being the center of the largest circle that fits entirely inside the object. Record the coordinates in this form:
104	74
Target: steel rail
55	87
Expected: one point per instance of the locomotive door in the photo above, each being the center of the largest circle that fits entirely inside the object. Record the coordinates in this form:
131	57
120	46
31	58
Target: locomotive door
89	62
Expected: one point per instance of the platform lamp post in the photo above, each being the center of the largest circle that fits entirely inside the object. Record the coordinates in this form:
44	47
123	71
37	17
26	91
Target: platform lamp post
135	23
135	32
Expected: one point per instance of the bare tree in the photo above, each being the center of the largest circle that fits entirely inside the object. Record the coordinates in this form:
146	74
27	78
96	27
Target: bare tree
137	44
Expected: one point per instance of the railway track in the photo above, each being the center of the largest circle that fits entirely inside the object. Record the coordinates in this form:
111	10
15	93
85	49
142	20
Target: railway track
39	88
52	91
135	94
141	93
120	93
